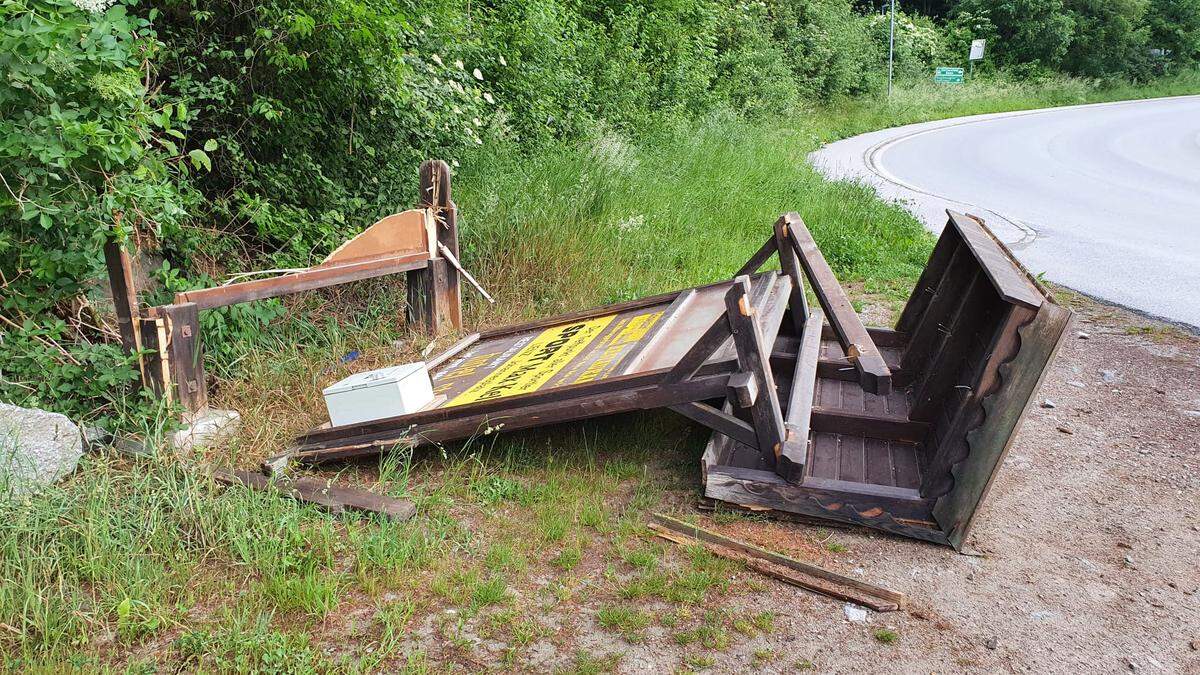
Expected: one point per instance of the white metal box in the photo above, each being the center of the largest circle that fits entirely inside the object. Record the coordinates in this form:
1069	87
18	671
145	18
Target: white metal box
376	394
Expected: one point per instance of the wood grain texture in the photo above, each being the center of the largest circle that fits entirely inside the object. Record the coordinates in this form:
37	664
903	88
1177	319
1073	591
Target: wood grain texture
753	357
1008	277
874	373
185	355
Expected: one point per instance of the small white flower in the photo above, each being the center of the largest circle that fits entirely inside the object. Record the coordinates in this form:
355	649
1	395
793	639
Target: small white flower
456	86
488	97
477	122
425	20
478	75
459	64
437	59
502	61
454	163
632	223
94	6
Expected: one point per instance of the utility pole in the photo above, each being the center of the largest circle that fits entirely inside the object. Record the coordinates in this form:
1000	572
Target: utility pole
891	46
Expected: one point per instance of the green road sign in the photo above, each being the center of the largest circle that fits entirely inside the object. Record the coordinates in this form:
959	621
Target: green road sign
948	75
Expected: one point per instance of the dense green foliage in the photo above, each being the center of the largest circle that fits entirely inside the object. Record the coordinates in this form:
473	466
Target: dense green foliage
216	136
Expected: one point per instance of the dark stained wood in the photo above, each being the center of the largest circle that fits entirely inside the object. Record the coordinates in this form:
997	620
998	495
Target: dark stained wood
1019	378
155	366
926	336
435	193
882	337
743	389
877	463
853	336
790	264
753	357
718	420
764	489
576	402
310	279
955	339
829	583
330	497
886	427
928	282
1006	275
761	256
185	355
800	401
124	294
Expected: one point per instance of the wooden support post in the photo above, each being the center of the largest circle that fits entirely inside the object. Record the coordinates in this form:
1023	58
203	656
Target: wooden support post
790	264
185	355
155	367
753	357
434	293
124	294
800	402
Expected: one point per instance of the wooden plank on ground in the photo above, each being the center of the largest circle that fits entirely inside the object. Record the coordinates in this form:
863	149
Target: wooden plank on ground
852	335
778	566
322	493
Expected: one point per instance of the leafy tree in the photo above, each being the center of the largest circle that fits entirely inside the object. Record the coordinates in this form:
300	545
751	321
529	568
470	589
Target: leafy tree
1109	38
1174	26
1037	32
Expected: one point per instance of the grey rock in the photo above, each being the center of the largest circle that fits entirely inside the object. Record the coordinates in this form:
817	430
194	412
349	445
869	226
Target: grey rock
1048	404
1109	376
1084	336
992	642
36	448
206	429
1077	384
1191	413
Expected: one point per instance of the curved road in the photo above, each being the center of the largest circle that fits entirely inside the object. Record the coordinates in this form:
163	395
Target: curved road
1102	198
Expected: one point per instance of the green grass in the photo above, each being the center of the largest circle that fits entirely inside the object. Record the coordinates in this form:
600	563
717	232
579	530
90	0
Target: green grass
148	563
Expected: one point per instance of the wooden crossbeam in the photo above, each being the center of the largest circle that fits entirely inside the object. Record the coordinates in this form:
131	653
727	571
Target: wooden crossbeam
851	334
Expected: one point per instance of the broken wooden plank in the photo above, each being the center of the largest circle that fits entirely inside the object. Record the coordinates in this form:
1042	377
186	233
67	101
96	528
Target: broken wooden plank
719	421
307	280
851	334
778	566
322	493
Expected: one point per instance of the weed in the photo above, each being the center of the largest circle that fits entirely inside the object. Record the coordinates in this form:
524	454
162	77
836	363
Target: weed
836	547
763	656
698	661
629	622
587	663
490	592
765	621
886	635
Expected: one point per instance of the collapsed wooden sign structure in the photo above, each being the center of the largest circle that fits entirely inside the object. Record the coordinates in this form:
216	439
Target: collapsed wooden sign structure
812	413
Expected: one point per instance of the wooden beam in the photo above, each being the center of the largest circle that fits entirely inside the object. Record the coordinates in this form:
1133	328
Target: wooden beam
814	578
761	256
454	350
719	421
743	389
324	494
794	453
310	279
790	264
852	335
185	355
884	427
124	294
753	357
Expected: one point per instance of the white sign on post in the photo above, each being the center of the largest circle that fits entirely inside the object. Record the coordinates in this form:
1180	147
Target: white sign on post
977	49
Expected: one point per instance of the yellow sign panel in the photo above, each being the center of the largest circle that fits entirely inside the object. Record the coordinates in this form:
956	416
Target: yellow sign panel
536	362
617	345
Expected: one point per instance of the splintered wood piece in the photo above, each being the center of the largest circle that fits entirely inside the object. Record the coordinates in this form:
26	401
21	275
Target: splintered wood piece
781	567
332	498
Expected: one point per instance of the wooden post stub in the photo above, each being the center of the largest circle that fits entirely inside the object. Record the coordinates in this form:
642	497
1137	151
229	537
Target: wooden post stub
753	357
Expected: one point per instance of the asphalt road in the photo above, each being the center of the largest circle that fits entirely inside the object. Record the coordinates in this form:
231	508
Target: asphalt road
1101	198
